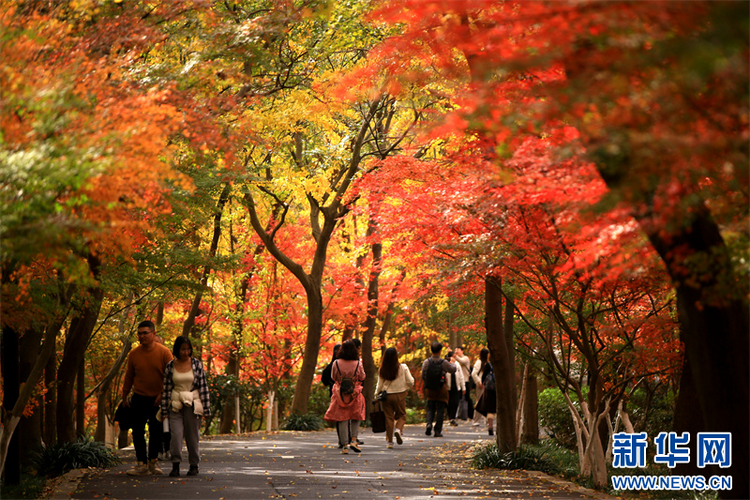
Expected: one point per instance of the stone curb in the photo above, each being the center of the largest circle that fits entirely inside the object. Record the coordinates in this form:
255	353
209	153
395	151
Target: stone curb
68	485
570	485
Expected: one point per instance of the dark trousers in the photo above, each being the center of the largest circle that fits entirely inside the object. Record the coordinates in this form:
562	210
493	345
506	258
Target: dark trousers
453	398
144	412
467	397
435	412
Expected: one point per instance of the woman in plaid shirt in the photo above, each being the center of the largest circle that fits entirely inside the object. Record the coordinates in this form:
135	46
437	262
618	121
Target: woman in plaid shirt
185	401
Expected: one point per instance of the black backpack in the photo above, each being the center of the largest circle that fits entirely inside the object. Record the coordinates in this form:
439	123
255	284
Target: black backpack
489	378
346	386
434	376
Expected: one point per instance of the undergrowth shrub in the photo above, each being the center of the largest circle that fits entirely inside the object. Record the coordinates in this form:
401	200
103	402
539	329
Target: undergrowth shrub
308	422
57	459
527	458
555	417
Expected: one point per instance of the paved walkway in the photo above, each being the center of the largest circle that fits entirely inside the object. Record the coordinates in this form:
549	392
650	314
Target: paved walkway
309	465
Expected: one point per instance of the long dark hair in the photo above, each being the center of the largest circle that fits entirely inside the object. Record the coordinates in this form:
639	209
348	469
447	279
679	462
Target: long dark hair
348	351
484	357
389	366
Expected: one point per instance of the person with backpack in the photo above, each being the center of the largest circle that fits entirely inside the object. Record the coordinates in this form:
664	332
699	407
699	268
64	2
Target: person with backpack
347	407
434	369
487	402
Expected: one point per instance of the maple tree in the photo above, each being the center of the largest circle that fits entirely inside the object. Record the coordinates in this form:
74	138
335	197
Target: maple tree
219	165
84	176
307	149
559	268
658	94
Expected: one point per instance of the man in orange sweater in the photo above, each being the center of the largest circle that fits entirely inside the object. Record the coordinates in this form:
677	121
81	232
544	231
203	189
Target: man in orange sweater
145	376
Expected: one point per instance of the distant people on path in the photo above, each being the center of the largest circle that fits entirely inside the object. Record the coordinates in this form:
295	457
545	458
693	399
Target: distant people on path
166	437
456	389
144	374
477	383
325	377
465	363
185	402
434	369
395	379
358	345
347	407
487	402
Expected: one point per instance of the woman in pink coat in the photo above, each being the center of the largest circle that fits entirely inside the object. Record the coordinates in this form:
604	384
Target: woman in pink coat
347	406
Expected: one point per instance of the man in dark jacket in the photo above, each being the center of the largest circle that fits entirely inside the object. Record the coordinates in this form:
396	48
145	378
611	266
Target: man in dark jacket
435	388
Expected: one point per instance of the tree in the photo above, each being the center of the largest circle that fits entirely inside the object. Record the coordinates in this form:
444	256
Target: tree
658	94
83	172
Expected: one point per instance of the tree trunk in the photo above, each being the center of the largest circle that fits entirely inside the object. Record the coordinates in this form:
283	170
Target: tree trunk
81	400
79	334
686	419
510	344
50	401
11	384
501	362
29	435
715	334
369	324
102	418
12	416
188	327
228	414
104	387
530	432
388	316
312	348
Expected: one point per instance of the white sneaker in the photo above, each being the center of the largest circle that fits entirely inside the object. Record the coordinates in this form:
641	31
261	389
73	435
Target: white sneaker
397	434
389	445
345	450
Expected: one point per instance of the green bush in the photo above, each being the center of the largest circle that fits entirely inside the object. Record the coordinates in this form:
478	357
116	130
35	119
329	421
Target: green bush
30	487
526	457
308	422
57	459
555	417
319	400
652	410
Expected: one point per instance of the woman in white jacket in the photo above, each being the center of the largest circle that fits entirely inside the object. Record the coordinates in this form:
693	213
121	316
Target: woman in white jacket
475	375
395	379
455	391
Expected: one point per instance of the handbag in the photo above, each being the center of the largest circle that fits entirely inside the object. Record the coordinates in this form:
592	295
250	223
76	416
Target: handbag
124	416
463	410
383	394
377	418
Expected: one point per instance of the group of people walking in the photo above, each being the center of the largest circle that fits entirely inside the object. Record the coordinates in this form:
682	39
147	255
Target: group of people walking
165	385
450	392
447	387
172	385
